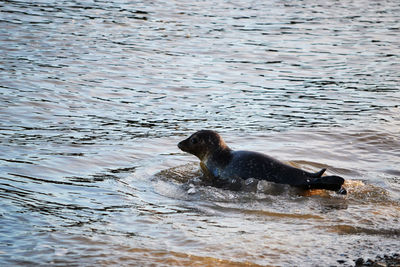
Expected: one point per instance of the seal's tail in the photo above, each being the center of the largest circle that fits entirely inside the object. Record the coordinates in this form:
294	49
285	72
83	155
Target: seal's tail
333	183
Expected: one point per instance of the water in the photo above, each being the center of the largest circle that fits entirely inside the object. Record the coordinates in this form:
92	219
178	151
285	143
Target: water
96	95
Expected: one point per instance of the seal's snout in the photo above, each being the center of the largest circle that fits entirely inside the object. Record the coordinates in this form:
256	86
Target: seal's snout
181	146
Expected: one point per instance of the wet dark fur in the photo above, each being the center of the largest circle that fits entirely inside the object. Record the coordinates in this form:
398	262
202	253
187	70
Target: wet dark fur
225	166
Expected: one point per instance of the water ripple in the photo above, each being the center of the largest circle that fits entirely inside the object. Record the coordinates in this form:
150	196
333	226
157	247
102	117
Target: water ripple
94	96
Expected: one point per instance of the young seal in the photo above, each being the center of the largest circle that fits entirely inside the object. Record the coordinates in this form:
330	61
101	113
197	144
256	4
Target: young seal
223	166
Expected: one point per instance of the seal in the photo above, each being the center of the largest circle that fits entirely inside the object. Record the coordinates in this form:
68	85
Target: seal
226	167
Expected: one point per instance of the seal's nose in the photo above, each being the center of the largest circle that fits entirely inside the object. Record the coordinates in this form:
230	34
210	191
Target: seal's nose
180	145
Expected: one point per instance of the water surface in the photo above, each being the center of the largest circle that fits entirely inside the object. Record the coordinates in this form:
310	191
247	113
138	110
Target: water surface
95	95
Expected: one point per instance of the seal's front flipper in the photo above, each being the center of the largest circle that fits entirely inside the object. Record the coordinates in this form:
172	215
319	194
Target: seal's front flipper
318	174
207	174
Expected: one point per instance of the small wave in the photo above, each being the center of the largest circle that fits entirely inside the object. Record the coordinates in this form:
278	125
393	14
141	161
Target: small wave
182	173
353	229
359	191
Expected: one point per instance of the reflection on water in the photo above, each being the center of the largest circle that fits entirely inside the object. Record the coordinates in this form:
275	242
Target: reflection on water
94	97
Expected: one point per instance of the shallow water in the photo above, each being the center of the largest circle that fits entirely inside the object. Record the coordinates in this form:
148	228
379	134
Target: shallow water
94	97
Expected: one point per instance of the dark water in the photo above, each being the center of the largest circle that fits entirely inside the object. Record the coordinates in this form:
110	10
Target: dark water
94	96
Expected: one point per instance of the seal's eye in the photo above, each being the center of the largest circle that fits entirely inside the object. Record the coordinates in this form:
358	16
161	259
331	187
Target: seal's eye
194	140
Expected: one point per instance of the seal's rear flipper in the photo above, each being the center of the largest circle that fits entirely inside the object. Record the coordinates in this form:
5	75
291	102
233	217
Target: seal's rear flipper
333	183
318	174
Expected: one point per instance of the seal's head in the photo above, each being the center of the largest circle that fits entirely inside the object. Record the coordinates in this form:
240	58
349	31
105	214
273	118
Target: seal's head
203	143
